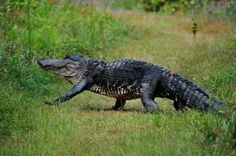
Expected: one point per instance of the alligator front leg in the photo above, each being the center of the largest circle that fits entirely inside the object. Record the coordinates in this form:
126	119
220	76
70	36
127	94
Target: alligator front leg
119	104
77	89
149	88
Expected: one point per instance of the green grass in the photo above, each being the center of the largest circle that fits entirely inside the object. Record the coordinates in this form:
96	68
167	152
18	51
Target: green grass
86	126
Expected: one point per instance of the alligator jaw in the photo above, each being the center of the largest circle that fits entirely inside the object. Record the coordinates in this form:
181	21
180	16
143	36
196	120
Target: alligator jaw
64	67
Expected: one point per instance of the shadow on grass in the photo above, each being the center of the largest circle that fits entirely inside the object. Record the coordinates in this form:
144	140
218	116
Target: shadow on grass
105	109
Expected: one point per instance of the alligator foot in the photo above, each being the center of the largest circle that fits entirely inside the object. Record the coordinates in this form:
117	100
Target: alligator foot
178	106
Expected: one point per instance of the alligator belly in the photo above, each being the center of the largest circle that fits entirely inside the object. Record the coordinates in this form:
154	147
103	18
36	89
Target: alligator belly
119	93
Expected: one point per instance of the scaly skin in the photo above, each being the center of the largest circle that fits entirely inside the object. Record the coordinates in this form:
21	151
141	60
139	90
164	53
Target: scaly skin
126	79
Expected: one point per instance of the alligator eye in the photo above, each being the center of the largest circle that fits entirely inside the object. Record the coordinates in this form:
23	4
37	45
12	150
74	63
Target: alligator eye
73	57
67	56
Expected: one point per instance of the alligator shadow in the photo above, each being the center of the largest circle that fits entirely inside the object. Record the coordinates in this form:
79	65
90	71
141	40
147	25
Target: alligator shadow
100	109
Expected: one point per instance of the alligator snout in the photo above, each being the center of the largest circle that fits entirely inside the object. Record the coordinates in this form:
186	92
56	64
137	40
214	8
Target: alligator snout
42	62
54	63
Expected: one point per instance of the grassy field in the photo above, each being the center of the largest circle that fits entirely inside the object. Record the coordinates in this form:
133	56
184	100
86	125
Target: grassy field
86	126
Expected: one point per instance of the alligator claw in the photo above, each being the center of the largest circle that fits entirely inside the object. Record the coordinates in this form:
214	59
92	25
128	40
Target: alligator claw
114	108
49	103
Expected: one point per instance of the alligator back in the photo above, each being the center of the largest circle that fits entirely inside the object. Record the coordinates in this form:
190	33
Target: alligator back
122	79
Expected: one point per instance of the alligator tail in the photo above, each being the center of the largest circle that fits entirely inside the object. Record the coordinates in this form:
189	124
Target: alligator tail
189	94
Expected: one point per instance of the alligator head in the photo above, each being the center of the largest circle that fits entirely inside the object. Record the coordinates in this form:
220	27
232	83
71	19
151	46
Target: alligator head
72	67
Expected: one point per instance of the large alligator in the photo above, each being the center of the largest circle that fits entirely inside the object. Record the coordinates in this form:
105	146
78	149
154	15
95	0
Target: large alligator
127	79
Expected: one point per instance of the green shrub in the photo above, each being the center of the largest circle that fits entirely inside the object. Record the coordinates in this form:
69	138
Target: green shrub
168	5
57	29
43	29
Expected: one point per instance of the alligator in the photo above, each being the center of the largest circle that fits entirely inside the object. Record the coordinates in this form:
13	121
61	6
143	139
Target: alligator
126	79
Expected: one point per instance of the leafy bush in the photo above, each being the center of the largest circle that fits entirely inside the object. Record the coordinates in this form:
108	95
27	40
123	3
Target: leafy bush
56	29
45	29
214	7
168	5
221	9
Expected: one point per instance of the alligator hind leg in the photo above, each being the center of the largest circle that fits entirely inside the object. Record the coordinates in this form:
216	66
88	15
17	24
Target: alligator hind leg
148	89
119	104
178	106
149	103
